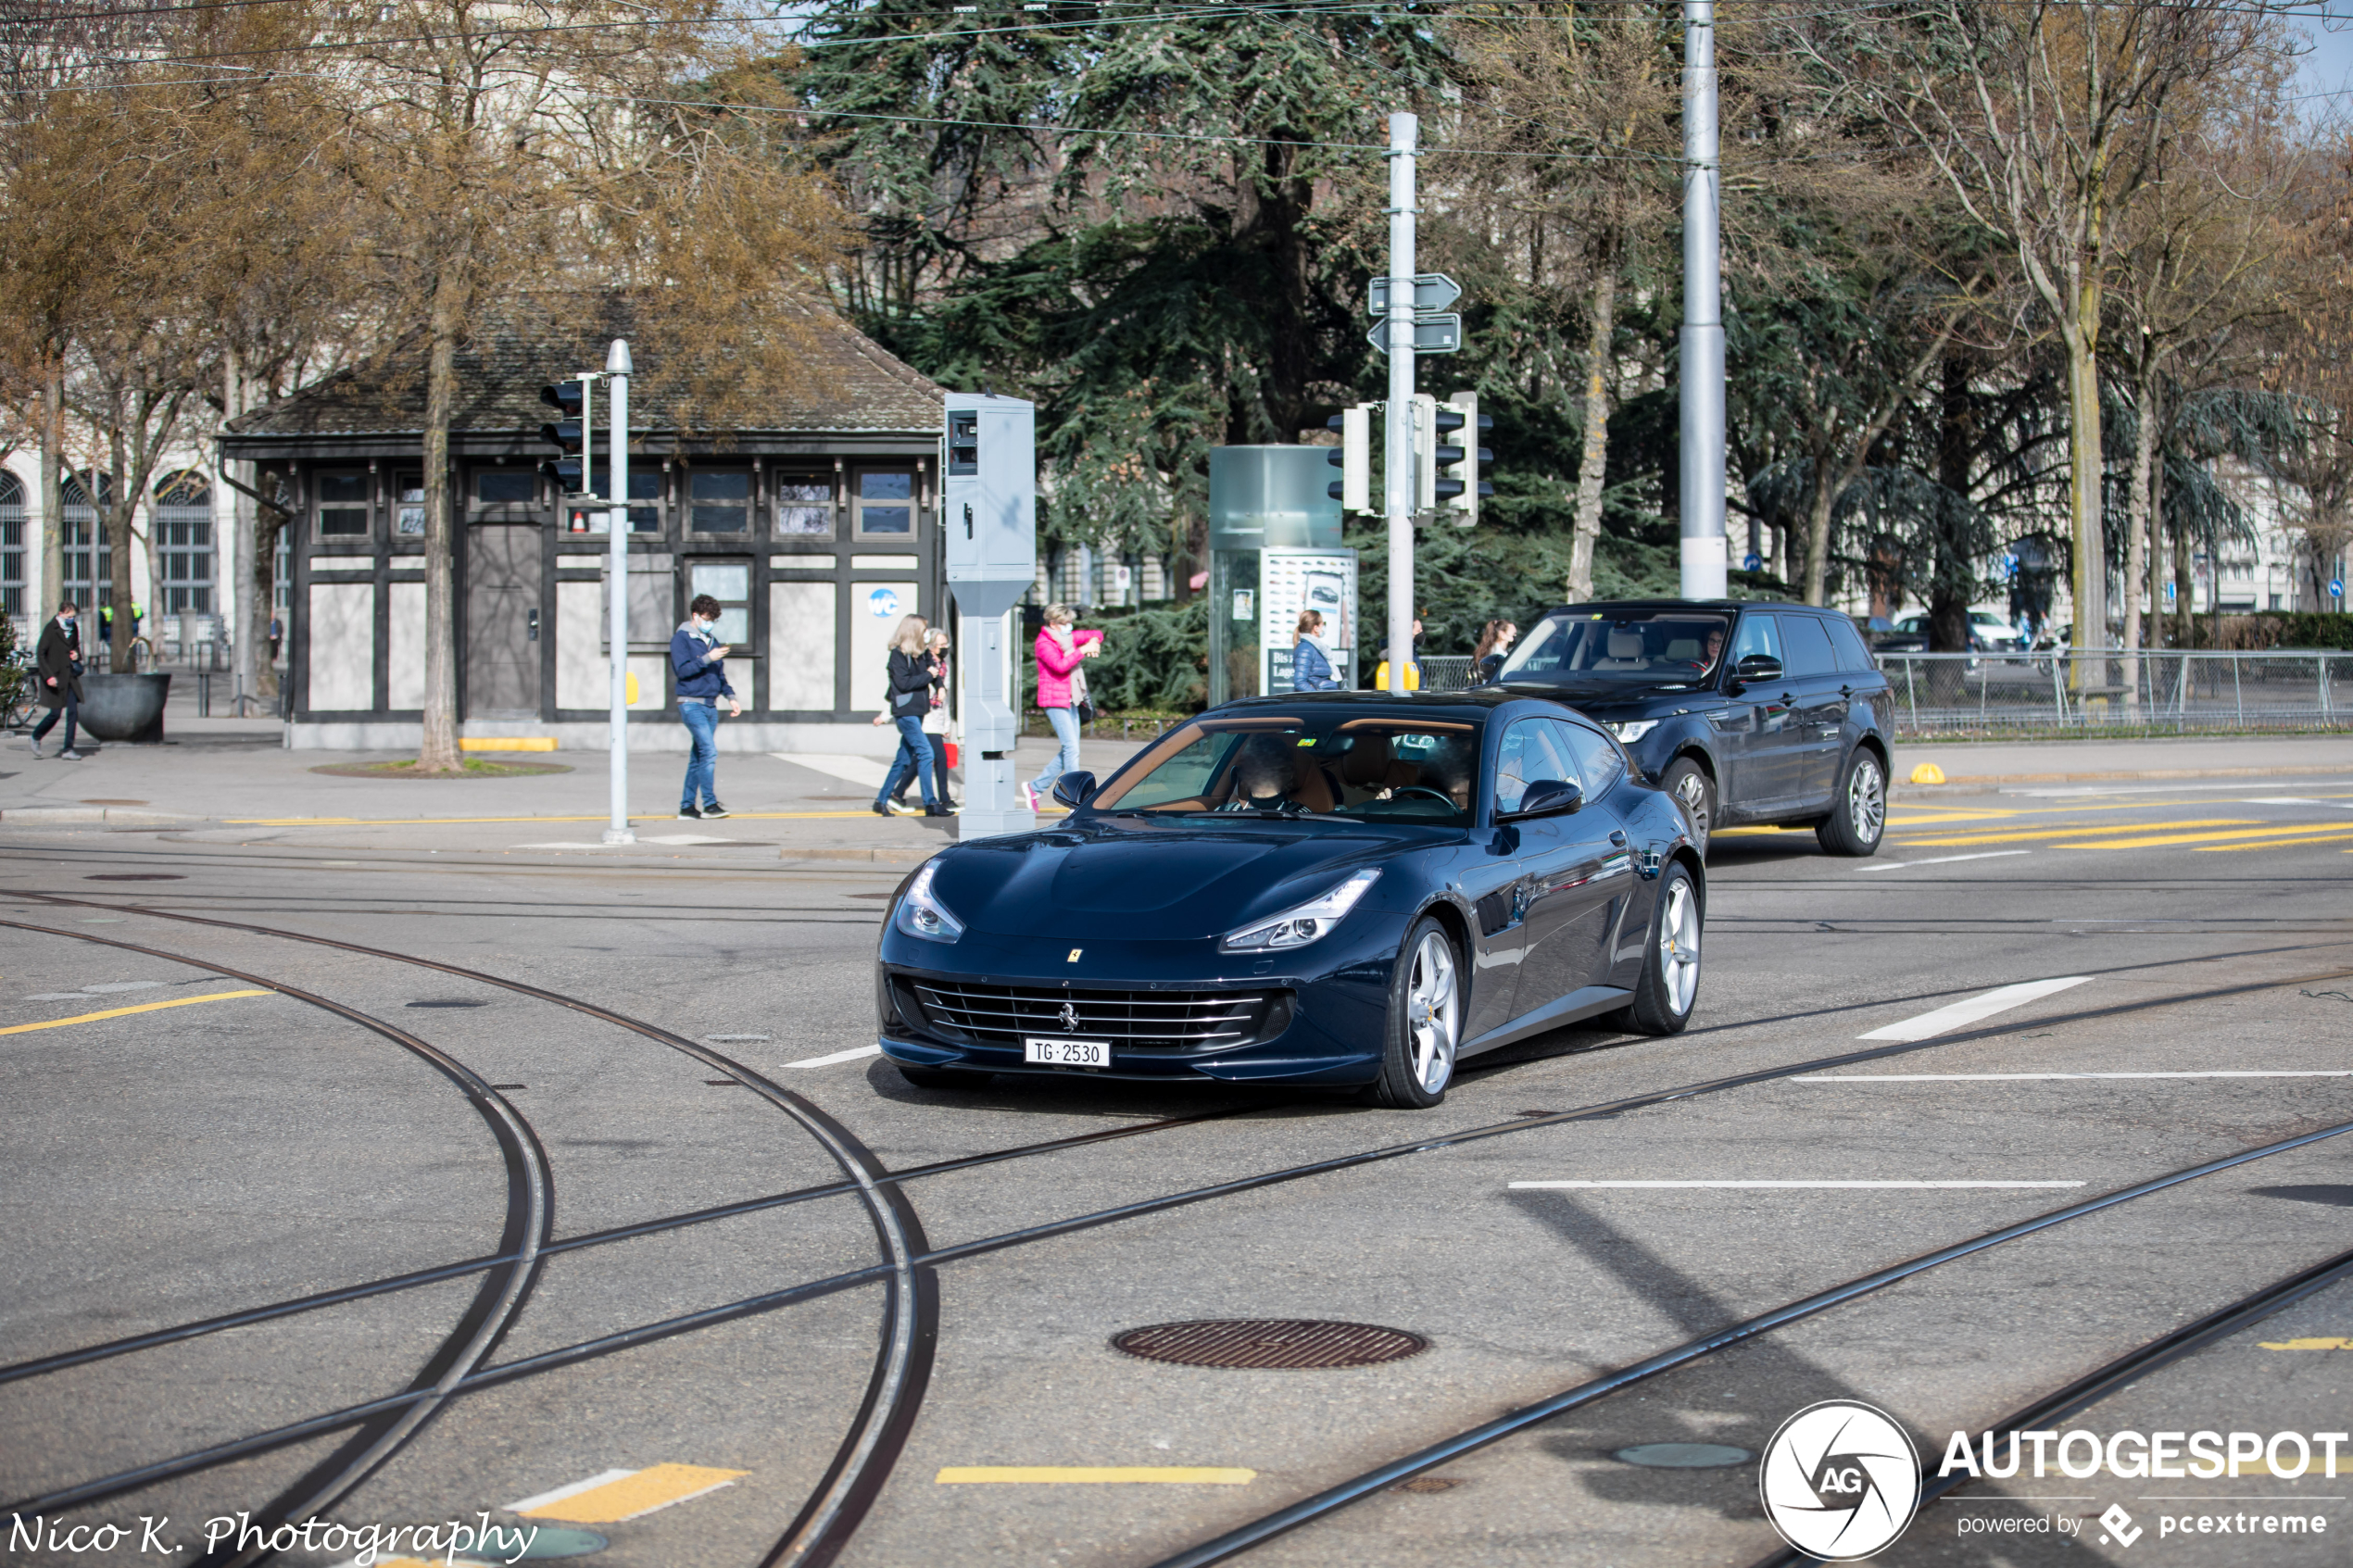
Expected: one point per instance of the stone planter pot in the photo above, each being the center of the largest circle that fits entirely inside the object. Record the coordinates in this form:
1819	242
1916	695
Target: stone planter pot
124	707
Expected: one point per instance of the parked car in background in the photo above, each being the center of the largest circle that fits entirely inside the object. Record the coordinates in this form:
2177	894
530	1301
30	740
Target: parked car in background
1745	712
1883	635
1988	633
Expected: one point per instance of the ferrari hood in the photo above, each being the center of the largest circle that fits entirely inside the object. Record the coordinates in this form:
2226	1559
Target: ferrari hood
1145	881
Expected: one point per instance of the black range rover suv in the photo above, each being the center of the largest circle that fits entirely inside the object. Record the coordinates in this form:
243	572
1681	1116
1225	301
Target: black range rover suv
1747	713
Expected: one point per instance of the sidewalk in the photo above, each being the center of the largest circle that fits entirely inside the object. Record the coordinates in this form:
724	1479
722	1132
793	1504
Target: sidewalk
1988	764
230	781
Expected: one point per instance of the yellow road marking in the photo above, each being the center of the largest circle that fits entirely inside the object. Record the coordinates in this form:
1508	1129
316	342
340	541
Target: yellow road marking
2078	831
143	1006
2307	1344
1056	1475
2269	843
2276	834
1752	832
655	1486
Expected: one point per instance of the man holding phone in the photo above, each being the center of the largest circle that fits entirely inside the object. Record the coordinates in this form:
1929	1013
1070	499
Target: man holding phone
696	657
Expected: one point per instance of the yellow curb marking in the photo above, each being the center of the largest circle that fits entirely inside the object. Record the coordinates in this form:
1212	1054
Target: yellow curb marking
143	1006
2308	1345
2274	843
642	1492
1056	1475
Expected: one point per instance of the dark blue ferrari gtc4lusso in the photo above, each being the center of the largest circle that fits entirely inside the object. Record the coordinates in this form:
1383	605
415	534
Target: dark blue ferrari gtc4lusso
1342	888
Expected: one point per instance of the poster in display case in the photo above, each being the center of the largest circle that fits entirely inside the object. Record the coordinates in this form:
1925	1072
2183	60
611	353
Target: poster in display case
1291	580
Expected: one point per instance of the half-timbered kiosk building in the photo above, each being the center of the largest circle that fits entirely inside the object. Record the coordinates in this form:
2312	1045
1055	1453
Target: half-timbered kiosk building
816	532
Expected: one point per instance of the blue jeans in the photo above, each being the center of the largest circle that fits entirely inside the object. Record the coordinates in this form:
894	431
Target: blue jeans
914	752
1065	723
702	760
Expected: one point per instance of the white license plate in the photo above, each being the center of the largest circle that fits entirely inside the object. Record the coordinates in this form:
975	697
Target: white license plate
1068	1053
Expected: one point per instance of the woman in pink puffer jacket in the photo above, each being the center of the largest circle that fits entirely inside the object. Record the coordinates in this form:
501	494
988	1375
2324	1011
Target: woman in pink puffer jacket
1062	686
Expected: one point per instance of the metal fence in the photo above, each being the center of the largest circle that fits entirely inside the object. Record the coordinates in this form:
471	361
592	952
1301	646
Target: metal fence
2155	692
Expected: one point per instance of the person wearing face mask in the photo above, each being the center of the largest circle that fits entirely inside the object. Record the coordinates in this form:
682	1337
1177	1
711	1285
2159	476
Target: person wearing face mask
696	657
57	678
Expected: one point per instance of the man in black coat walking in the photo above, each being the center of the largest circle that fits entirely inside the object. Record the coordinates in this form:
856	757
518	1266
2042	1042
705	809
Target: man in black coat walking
57	678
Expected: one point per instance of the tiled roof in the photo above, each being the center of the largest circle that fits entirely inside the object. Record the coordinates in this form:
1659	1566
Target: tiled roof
855	386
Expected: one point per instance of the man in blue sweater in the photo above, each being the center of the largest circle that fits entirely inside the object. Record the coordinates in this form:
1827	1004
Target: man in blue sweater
696	656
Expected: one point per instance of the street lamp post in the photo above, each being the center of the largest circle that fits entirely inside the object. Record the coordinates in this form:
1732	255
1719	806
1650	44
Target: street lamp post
617	574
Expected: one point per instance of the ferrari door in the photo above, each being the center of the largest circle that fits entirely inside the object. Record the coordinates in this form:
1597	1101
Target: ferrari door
1581	872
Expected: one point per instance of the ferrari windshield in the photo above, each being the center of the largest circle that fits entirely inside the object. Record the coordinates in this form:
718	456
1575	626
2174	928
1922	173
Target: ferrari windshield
1632	647
1327	762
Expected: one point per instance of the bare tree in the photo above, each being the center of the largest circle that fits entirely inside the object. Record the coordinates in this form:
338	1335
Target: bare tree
1590	92
2044	118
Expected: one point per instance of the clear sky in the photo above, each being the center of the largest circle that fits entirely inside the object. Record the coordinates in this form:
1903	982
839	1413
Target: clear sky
2327	27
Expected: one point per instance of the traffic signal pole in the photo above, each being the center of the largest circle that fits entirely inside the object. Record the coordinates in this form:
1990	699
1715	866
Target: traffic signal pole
1398	456
617	574
1702	390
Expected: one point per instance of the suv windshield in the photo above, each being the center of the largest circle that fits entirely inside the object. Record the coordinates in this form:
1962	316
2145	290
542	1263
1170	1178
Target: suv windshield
1630	647
1319	762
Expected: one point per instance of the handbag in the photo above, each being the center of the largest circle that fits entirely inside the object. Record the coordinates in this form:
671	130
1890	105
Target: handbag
1085	710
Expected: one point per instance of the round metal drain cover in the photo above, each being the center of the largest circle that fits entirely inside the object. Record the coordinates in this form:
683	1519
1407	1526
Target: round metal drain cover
135	876
1270	1342
1685	1456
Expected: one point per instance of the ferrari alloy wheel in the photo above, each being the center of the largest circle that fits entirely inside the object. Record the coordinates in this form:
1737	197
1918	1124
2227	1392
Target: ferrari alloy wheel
1425	1021
1693	790
1859	815
1669	988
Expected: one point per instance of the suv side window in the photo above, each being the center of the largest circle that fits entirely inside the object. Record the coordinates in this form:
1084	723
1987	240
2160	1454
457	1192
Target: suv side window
1852	654
1596	756
1756	635
1808	645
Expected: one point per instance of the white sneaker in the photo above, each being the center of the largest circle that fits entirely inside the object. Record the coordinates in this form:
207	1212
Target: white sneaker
905	809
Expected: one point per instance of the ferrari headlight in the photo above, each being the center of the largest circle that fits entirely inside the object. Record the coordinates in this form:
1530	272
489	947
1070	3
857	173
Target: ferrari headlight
921	914
1307	922
1633	729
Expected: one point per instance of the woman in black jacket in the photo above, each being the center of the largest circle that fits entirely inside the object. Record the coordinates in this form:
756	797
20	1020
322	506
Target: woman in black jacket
910	676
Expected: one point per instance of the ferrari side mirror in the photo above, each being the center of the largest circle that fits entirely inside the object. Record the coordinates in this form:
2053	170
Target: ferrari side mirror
1074	788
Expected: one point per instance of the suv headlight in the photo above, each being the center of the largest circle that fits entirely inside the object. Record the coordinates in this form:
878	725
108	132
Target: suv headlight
921	914
1307	922
1633	729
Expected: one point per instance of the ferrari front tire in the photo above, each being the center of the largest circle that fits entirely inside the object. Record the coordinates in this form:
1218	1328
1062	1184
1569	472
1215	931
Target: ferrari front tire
1425	1021
1669	988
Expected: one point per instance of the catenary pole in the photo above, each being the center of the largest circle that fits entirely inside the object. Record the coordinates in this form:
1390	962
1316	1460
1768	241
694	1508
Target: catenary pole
617	575
1397	470
1702	400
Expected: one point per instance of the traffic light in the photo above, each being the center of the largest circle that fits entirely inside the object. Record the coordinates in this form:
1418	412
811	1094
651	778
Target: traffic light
1466	455
567	436
1353	458
1426	490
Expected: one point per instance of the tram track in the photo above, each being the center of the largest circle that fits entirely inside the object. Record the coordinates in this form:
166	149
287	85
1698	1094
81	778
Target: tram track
527	1228
885	1414
1233	1543
861	1471
895	1391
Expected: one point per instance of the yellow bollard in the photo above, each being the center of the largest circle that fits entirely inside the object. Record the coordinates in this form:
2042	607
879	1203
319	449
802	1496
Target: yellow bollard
1413	677
1928	772
629	691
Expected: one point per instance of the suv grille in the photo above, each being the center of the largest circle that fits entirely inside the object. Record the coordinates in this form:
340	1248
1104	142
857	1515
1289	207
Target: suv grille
1171	1020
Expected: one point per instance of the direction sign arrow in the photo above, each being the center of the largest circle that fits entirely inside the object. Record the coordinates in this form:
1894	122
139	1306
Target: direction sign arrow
1432	291
1439	333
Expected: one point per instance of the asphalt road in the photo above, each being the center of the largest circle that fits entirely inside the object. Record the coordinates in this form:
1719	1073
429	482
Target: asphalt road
779	1358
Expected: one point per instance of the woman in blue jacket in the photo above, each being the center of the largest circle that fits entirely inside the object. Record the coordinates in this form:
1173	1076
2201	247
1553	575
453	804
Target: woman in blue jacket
696	656
1311	666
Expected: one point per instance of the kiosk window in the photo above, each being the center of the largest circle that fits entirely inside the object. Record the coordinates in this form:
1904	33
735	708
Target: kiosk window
343	505
887	505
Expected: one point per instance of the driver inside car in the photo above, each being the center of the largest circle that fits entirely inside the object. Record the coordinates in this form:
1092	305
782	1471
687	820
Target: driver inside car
1261	777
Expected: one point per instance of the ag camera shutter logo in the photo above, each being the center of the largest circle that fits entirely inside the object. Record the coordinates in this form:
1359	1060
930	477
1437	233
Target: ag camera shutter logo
1841	1480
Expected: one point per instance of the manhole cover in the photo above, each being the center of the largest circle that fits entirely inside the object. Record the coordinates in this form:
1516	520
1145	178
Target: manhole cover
1270	1342
1685	1456
135	876
1429	1483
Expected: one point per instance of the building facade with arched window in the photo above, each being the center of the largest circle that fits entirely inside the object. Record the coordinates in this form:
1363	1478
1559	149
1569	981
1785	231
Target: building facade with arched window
814	532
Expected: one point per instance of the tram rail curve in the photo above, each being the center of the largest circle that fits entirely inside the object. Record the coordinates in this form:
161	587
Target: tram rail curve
868	1470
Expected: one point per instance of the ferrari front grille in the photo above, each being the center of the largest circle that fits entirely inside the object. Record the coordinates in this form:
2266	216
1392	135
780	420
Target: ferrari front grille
1137	1020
